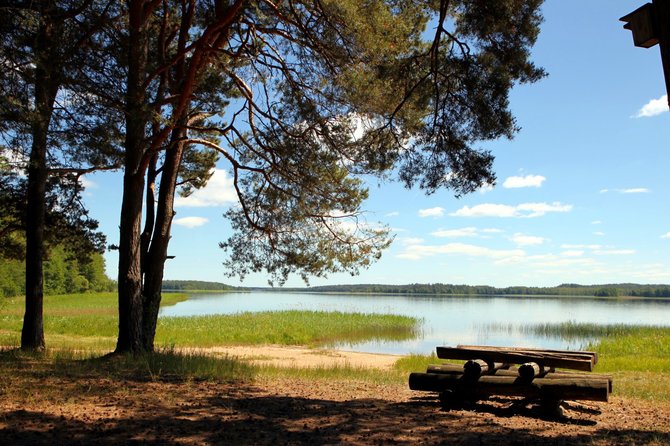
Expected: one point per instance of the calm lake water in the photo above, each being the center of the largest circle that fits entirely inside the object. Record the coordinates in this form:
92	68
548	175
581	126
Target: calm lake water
446	320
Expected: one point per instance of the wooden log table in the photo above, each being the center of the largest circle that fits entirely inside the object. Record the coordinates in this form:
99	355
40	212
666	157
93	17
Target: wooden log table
512	371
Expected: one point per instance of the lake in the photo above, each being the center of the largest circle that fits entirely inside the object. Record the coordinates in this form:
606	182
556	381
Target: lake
447	320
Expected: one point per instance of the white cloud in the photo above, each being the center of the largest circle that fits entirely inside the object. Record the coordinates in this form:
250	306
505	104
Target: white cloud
654	107
453	233
527	240
633	190
614	252
596	222
488	187
392	214
540	209
592	247
523	210
470	231
570	261
408	241
416	252
486	210
527	181
350	223
637	190
191	222
218	192
655	272
431	212
573	253
599	233
601	250
666	235
86	183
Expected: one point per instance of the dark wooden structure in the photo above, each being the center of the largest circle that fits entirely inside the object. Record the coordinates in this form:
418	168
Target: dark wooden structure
506	371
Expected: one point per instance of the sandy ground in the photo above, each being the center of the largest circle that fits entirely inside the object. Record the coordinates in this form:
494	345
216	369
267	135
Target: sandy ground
283	356
294	411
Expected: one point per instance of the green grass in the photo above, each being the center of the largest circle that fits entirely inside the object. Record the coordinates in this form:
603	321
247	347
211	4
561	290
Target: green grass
416	363
567	331
78	304
72	321
639	360
574	330
164	364
309	328
79	328
89	321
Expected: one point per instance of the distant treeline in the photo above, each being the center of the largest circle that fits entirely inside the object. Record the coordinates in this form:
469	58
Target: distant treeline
569	289
194	285
63	274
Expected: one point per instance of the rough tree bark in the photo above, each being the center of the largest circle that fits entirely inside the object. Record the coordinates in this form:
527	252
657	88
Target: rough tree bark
155	265
46	87
130	271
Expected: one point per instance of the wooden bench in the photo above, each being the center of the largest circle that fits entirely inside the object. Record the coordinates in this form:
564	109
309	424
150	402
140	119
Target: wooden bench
508	371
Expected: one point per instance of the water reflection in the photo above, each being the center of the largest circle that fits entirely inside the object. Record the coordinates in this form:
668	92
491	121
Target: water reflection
447	320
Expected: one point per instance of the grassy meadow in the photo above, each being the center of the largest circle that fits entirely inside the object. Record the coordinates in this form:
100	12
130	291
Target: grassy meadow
89	321
81	328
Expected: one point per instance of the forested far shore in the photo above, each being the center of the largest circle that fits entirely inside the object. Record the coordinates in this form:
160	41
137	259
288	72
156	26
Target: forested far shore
195	285
64	275
568	289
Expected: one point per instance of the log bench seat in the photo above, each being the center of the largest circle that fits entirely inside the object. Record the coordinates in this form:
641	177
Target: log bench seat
510	371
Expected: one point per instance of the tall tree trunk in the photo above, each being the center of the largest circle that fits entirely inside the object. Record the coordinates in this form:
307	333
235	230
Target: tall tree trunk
150	210
155	265
32	333
130	271
130	274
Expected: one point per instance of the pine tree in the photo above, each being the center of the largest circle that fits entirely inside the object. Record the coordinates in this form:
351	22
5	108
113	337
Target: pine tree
45	112
299	98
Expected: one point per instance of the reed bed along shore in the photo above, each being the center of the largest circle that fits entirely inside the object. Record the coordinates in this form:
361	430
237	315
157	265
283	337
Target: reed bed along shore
90	321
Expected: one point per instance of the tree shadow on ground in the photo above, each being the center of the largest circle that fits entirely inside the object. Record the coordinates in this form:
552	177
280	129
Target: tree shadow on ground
242	414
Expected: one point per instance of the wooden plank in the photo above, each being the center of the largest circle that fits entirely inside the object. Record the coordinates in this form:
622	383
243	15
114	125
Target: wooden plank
573	389
517	357
578	353
546	353
455	369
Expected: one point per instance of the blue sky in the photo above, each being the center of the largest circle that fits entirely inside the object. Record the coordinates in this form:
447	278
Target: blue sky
583	191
